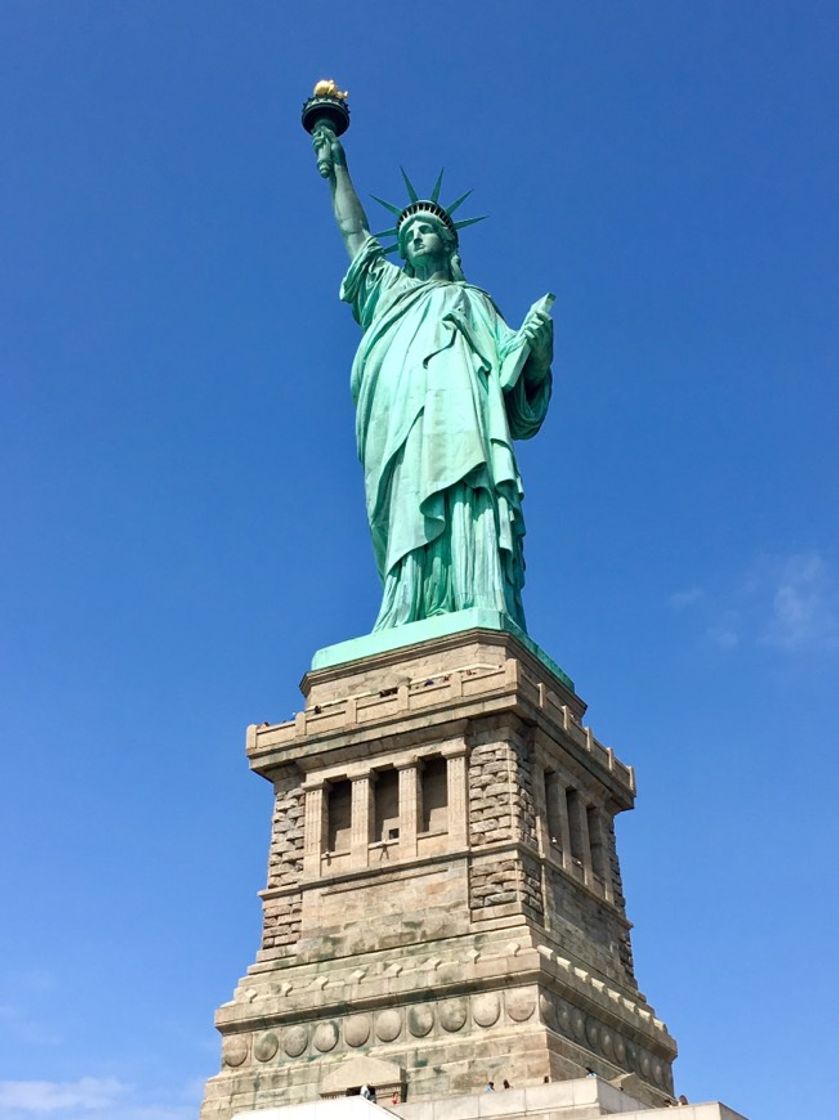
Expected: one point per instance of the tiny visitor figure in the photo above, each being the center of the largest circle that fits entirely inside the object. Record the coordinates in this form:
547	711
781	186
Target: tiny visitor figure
442	386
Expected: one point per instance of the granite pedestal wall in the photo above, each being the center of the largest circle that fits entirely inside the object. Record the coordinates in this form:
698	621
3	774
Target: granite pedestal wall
444	903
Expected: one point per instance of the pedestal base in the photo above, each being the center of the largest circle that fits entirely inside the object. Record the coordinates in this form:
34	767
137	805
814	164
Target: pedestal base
444	904
429	629
567	1100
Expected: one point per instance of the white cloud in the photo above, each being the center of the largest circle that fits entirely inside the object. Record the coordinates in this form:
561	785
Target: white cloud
88	1094
92	1098
725	631
17	1025
789	603
803	612
681	599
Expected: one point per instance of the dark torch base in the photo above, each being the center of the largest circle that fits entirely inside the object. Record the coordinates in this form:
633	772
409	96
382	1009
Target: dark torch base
326	110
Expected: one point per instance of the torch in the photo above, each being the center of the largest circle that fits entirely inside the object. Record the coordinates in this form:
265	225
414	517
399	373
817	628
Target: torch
327	108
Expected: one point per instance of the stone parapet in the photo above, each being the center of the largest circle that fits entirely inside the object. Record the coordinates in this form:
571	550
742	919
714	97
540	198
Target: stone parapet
567	1100
476	675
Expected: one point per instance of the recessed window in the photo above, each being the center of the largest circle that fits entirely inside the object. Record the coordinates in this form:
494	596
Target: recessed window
386	794
434	791
553	791
575	824
595	840
339	816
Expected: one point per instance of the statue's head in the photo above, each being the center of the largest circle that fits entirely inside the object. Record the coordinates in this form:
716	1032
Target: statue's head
439	234
424	234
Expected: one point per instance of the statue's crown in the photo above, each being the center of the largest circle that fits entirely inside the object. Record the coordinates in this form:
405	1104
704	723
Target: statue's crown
430	205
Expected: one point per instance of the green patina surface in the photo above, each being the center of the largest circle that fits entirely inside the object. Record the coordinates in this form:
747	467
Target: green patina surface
443	386
440	626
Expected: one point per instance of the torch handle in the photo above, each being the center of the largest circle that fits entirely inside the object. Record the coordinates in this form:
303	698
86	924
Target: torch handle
324	134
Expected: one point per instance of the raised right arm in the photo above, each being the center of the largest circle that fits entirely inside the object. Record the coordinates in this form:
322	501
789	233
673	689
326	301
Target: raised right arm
346	205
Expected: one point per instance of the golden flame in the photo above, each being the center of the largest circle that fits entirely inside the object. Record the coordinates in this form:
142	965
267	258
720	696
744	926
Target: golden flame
327	87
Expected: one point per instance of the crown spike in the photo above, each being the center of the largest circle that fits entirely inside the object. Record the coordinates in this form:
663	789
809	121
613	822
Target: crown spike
459	201
435	191
470	221
417	205
412	194
397	210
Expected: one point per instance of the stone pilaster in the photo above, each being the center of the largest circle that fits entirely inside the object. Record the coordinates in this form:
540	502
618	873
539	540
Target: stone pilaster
314	827
599	843
585	842
558	815
362	790
578	829
409	807
456	755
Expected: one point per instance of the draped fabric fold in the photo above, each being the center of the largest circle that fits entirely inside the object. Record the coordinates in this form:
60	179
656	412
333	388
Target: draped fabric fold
441	386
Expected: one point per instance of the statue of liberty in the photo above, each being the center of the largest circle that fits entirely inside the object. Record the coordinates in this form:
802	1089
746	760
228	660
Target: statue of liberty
442	386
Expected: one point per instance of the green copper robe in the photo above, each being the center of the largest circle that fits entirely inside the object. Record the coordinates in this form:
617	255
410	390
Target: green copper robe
441	386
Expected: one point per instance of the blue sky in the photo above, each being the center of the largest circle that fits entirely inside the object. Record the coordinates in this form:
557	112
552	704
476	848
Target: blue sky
183	512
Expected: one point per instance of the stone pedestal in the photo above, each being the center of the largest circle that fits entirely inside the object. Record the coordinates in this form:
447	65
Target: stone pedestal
444	902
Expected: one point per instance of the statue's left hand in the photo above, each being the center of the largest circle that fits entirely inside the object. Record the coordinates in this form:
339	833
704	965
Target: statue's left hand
329	152
538	329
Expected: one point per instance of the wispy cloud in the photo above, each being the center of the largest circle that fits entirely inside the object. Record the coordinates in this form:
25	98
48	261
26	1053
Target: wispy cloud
40	1098
789	603
92	1098
725	630
804	604
687	598
17	1024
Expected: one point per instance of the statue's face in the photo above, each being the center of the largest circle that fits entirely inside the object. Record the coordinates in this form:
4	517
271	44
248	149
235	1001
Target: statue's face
422	241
